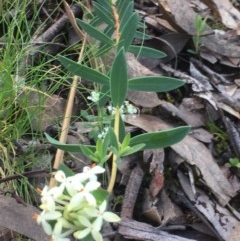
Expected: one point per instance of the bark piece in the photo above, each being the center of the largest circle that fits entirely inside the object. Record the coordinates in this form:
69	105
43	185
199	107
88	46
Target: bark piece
131	192
18	218
141	231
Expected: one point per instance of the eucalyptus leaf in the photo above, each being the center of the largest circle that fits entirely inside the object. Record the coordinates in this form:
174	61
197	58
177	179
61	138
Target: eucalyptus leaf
160	139
83	71
154	83
119	79
146	52
94	32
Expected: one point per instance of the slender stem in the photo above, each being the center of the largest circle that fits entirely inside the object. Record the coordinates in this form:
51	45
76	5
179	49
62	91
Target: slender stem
114	159
117	111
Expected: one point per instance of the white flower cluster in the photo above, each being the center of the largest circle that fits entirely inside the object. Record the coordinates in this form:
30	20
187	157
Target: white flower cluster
94	96
71	208
126	108
103	133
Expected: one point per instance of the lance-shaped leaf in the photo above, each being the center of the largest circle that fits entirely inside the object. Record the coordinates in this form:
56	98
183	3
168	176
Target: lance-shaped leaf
142	35
160	139
94	32
103	13
146	52
128	32
83	71
126	12
154	83
68	147
119	79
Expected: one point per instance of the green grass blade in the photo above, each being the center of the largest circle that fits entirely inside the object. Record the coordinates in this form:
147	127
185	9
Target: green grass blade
83	71
95	33
119	79
160	139
154	83
146	52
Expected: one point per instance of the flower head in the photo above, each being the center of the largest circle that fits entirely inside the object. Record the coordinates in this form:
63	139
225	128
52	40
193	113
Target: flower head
84	194
94	96
89	228
44	217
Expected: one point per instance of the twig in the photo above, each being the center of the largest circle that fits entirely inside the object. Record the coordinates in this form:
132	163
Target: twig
68	113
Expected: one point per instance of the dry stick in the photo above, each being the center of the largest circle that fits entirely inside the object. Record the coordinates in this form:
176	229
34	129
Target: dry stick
68	113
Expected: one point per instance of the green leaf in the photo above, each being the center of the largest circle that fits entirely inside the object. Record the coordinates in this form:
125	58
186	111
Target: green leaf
87	152
94	32
67	147
68	172
113	138
104	96
122	131
100	195
130	150
119	79
234	162
154	83
103	13
99	146
126	141
106	4
142	35
83	71
125	15
121	6
103	48
128	32
160	139
146	52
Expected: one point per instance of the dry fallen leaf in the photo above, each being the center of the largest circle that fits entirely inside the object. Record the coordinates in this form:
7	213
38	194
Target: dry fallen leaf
193	152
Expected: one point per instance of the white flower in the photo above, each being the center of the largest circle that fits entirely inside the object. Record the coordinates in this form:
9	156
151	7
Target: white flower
68	182
49	197
131	109
90	228
44	217
94	96
102	214
84	193
103	133
92	171
57	234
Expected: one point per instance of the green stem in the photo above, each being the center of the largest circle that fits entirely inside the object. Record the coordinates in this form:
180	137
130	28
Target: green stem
114	158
